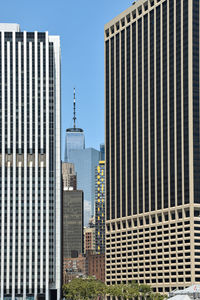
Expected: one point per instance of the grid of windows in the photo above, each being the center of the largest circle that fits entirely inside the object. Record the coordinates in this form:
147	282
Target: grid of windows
27	188
153	171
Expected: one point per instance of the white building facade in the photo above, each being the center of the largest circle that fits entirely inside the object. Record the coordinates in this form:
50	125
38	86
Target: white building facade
30	170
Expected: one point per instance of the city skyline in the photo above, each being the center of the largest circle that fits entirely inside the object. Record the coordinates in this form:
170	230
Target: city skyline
84	69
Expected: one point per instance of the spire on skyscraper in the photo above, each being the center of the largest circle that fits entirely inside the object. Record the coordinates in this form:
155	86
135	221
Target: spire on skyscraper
74	118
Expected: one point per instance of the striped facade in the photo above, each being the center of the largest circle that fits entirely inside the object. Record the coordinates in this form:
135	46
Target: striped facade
29	164
100	208
152	144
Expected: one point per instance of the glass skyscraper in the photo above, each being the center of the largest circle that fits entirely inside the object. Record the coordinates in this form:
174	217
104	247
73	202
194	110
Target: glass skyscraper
30	169
75	140
86	161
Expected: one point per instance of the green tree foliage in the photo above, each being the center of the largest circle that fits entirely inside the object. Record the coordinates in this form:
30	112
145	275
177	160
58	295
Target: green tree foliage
92	289
84	289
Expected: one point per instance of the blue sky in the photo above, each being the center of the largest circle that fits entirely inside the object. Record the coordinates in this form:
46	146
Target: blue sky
80	25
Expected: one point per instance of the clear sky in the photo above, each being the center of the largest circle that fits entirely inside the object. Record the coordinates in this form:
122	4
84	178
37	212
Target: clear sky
80	25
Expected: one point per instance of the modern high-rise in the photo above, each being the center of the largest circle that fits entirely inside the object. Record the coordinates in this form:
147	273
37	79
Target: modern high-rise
85	162
102	152
72	223
75	138
30	164
100	208
153	144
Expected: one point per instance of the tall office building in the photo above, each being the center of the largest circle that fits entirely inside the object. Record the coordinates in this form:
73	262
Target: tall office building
152	144
72	223
102	152
68	177
85	162
75	138
100	208
30	165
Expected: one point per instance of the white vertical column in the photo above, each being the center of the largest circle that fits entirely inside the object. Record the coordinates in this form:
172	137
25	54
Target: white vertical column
3	168
36	166
8	229
56	41
8	93
47	167
31	223
41	98
30	98
19	225
20	265
8	174
14	169
19	95
25	166
41	223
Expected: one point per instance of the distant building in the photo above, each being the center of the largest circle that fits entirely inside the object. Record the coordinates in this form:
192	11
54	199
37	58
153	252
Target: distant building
95	265
100	208
89	239
75	138
102	152
85	162
72	224
73	268
68	177
91	222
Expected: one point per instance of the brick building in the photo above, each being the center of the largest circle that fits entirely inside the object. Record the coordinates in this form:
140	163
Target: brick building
73	268
95	265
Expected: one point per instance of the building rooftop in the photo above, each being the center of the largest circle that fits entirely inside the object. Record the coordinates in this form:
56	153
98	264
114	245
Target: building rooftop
74	130
191	292
9	27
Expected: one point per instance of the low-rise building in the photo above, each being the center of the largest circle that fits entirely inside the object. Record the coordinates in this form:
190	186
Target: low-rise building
95	265
89	239
73	268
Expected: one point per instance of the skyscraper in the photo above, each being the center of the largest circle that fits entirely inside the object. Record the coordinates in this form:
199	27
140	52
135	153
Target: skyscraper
30	171
85	162
72	223
100	208
75	138
152	144
69	181
102	152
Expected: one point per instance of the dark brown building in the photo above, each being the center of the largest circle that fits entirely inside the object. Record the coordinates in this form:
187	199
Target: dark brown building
95	265
72	224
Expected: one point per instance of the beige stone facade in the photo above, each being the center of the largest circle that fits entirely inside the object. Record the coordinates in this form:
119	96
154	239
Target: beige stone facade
152	145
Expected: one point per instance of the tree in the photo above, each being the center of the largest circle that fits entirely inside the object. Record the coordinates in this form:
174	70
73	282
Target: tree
92	289
145	290
84	289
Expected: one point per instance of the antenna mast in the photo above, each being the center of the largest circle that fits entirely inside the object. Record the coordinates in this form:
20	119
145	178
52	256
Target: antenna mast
74	118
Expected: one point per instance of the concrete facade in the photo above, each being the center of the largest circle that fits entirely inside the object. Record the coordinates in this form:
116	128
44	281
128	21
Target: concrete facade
152	144
30	161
